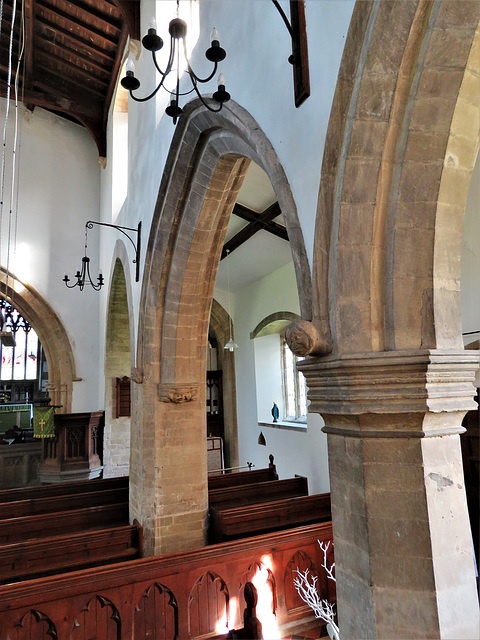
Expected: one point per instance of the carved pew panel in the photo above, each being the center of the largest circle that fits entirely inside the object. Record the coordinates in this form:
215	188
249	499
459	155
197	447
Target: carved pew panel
156	614
115	596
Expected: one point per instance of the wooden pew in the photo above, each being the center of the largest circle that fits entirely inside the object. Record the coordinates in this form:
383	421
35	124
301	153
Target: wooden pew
35	506
61	489
251	520
254	493
58	554
152	597
52	524
238	478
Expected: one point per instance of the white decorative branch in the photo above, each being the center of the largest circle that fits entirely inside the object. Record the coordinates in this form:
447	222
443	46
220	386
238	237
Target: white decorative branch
306	586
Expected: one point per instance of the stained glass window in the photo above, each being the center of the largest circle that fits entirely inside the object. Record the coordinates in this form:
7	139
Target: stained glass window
20	361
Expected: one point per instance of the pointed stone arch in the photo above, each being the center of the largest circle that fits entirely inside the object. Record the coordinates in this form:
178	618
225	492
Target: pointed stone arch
400	150
397	164
209	156
119	361
52	336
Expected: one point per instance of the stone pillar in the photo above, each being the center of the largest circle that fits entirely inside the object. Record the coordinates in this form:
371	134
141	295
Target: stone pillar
403	548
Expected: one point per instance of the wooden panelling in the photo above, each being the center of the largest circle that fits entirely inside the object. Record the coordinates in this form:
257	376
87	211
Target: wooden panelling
151	597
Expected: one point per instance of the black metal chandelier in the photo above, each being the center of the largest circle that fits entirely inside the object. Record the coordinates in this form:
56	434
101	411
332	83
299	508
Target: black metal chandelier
152	42
83	276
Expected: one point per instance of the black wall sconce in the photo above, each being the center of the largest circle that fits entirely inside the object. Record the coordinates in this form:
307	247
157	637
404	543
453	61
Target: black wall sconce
83	276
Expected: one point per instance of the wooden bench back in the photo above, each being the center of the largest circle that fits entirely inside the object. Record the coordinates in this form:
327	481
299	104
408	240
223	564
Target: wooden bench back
238	522
65	488
58	554
36	506
259	492
239	478
51	524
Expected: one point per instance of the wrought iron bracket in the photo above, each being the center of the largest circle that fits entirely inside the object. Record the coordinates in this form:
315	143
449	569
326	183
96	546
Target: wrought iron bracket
137	246
299	58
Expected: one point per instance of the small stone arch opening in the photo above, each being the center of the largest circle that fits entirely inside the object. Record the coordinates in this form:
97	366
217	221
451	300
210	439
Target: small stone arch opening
116	439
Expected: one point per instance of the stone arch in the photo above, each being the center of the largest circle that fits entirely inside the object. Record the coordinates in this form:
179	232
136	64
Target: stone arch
209	156
398	159
118	364
52	335
400	150
274	323
220	325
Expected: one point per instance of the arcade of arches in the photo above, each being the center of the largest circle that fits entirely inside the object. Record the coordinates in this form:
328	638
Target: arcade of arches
380	327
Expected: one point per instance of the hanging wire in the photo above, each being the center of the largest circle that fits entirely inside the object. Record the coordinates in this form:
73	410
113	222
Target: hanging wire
14	184
5	123
20	74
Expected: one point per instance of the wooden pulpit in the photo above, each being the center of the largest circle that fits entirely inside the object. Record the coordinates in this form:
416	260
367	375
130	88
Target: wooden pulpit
74	452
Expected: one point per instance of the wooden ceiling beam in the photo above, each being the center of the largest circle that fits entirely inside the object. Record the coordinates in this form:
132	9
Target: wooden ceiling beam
68	76
72	59
262	221
81	17
75	27
51	31
249	215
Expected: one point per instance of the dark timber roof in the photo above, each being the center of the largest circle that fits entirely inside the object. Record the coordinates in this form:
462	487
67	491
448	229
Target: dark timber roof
73	52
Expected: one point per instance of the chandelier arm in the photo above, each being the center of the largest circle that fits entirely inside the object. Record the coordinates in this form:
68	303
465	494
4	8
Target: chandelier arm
70	286
154	58
192	72
94	287
180	93
202	100
154	92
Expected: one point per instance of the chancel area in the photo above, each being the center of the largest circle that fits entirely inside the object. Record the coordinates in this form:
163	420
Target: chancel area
240	319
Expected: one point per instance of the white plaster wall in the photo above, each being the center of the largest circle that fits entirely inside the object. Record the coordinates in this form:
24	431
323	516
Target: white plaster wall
470	260
302	451
59	189
260	79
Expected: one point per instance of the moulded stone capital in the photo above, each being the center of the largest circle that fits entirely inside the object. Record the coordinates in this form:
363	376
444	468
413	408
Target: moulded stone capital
392	382
178	393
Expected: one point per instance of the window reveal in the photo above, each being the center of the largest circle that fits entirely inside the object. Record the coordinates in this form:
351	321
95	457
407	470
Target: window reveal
294	387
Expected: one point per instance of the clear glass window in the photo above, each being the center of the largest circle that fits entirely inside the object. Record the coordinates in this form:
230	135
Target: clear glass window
294	387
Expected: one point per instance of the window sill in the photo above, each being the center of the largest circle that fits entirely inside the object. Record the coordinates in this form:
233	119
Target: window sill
283	424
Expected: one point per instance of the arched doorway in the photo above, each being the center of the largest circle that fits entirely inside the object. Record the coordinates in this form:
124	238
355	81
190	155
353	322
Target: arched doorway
204	172
118	365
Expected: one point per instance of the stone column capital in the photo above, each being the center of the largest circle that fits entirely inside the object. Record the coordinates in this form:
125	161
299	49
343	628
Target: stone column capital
392	382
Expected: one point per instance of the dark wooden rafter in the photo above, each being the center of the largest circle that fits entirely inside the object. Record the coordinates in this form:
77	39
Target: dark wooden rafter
29	31
130	10
257	222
